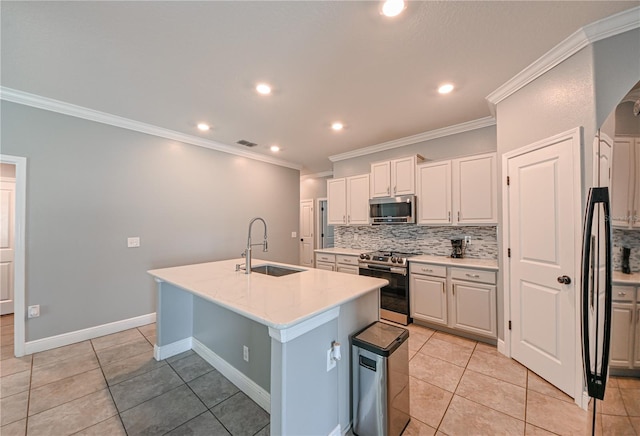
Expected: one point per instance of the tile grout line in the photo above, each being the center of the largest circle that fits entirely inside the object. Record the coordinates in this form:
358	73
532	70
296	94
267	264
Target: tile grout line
106	382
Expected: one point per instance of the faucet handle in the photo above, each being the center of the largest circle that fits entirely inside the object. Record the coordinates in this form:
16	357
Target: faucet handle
243	254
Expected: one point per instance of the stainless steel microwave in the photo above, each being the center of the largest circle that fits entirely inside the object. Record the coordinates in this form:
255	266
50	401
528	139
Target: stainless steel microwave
393	210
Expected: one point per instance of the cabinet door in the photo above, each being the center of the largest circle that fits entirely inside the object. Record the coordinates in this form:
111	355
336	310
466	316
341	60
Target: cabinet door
358	199
428	298
622	174
434	193
475	190
621	335
337	201
403	176
473	308
325	266
381	179
635	204
347	269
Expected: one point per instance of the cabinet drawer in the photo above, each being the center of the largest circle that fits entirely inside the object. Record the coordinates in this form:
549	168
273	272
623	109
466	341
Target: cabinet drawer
624	293
427	269
347	260
326	266
348	269
322	257
473	275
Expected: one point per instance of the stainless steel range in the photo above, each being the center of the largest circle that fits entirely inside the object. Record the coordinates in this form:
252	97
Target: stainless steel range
391	266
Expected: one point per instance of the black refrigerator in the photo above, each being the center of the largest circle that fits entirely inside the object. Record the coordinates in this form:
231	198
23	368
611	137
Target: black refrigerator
596	298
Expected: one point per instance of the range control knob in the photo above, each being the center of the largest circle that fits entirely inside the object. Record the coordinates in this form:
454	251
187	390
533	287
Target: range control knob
394	259
364	256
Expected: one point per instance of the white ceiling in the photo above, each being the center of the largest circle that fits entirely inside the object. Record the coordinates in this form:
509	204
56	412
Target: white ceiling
174	64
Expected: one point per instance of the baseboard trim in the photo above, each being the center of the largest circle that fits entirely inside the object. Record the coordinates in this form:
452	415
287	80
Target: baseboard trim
336	431
244	383
86	334
172	349
501	347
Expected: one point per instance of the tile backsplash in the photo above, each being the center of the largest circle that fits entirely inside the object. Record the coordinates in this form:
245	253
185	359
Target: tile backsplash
626	238
411	238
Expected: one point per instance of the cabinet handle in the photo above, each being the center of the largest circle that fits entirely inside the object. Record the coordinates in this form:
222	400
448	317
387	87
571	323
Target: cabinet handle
629	216
622	294
475	276
453	290
388	190
443	289
348	219
344	219
395	189
634	216
449	216
427	270
458	215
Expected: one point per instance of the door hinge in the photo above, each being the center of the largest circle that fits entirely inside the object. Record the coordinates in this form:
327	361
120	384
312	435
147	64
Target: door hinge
508	252
508	181
509	324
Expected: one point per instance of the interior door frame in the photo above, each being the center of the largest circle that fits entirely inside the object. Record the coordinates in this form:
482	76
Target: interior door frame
576	137
19	250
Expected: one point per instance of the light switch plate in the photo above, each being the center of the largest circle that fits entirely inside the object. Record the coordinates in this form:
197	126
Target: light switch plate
133	242
294	234
330	362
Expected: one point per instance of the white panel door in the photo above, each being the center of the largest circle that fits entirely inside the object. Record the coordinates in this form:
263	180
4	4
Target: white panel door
7	216
306	233
541	202
434	193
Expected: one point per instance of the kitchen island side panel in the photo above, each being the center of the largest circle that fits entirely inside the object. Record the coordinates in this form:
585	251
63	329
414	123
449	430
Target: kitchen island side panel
174	319
225	333
304	396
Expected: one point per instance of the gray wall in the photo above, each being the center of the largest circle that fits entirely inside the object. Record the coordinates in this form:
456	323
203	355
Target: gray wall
581	91
312	188
90	186
461	144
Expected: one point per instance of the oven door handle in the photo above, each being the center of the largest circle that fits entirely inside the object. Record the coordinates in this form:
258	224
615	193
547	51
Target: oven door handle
389	269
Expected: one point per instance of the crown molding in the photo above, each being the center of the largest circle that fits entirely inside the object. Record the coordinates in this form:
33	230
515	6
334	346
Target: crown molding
420	137
583	37
61	107
317	175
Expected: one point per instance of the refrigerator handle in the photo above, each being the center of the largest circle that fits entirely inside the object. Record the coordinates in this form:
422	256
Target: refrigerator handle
595	380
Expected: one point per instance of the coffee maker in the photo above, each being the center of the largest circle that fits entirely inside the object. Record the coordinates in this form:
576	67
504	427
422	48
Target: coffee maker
457	247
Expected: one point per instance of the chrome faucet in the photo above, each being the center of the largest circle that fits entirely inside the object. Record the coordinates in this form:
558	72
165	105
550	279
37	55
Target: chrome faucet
247	253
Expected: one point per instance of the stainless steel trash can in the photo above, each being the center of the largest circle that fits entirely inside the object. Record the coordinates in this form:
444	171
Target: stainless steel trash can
380	380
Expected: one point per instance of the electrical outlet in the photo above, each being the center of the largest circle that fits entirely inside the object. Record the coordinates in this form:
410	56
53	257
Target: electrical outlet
330	362
467	240
245	353
133	242
33	311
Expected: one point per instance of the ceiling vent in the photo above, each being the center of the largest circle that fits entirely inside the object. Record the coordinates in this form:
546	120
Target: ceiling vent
246	143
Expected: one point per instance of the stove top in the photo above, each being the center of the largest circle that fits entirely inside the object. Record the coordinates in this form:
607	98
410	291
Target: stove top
394	258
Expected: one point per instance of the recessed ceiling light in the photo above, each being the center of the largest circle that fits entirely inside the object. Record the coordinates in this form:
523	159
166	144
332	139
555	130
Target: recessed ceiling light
263	89
275	148
337	126
446	88
203	126
391	8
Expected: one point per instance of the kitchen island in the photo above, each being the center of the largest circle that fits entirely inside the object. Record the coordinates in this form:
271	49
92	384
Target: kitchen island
271	336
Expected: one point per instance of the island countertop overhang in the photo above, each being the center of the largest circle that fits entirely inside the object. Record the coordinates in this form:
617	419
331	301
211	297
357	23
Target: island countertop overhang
277	302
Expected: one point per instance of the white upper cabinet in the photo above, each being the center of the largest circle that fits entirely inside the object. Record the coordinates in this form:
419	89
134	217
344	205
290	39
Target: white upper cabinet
625	183
395	177
434	193
459	192
348	200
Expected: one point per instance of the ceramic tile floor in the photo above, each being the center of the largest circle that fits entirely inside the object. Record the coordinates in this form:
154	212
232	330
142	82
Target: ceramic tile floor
113	386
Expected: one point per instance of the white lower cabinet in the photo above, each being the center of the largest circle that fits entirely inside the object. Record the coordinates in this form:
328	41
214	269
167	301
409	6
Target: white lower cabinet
428	298
625	330
460	298
337	262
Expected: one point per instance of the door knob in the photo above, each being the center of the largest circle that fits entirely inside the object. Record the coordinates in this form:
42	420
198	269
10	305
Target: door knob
565	280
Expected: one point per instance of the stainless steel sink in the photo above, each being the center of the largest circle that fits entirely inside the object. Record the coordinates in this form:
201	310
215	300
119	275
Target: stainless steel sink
275	270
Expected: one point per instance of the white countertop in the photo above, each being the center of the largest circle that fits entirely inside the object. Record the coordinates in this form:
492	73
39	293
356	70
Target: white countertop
277	302
489	264
626	279
345	251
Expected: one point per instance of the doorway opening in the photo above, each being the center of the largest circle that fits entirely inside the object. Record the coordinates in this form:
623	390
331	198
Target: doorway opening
324	231
13	181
